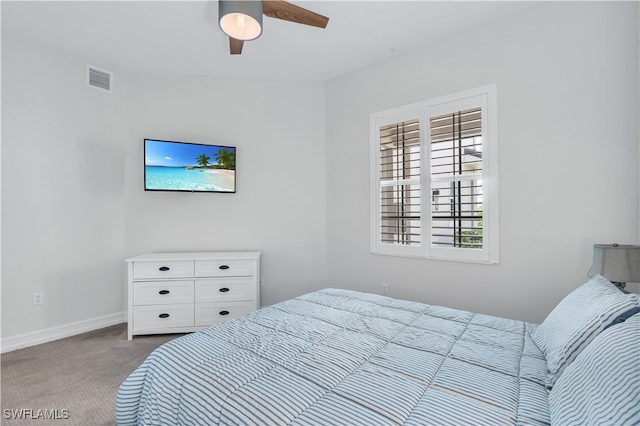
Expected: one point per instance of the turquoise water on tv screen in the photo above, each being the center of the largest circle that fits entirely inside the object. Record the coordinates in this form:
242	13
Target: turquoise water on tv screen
193	179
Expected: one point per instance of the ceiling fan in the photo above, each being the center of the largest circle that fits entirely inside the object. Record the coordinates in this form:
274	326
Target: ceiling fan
241	20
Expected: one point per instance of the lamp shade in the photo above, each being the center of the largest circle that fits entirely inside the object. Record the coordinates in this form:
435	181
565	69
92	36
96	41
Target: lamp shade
241	19
615	262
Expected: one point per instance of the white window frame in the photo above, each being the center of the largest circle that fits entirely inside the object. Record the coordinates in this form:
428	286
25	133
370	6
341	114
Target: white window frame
487	98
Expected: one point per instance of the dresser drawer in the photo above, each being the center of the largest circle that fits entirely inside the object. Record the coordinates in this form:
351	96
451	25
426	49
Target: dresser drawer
224	268
162	292
212	313
225	289
163	269
161	316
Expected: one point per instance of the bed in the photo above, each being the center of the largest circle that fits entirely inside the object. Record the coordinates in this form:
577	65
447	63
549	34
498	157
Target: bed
339	357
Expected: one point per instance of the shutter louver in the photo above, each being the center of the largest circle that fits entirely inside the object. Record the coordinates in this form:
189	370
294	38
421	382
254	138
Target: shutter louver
400	183
456	179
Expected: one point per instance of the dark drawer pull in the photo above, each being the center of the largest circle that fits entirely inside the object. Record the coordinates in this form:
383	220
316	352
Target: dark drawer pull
224	312
223	290
164	315
164	268
164	292
224	266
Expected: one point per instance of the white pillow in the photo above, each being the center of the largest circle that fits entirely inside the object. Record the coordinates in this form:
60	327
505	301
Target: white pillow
577	320
602	385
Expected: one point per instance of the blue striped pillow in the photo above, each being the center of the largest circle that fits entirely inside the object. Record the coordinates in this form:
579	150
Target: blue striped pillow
602	385
577	320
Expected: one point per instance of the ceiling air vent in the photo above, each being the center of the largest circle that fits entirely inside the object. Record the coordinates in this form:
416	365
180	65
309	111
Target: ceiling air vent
99	79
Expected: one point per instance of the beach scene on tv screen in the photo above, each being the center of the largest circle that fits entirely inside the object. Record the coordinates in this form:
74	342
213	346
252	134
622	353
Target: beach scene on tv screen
175	166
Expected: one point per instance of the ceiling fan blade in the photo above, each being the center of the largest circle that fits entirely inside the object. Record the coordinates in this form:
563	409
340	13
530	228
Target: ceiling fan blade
235	46
280	9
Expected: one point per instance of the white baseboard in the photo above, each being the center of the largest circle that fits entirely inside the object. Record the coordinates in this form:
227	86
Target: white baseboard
32	338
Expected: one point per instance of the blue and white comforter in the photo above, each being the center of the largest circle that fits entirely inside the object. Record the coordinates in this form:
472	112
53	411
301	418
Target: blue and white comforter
338	357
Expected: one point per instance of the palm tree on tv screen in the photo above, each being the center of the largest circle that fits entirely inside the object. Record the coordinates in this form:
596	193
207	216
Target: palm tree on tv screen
226	159
203	160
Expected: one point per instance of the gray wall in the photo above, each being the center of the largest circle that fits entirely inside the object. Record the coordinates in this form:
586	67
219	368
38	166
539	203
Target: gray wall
73	204
567	76
62	191
277	128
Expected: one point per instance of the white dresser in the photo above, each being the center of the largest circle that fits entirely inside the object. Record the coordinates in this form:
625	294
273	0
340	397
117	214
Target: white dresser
184	292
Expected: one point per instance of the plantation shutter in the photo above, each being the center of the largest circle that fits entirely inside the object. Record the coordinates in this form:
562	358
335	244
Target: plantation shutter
400	211
434	178
456	179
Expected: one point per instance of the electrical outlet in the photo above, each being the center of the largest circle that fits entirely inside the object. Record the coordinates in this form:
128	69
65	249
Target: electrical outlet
38	298
385	289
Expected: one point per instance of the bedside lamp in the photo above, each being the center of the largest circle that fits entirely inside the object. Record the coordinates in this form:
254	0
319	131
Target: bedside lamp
620	264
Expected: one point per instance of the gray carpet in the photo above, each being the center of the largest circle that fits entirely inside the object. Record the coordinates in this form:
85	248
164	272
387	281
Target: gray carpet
80	374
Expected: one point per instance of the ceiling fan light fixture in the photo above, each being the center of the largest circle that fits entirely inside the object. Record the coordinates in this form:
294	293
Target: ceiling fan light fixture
240	19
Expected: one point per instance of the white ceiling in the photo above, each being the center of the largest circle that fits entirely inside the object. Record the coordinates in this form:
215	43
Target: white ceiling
183	37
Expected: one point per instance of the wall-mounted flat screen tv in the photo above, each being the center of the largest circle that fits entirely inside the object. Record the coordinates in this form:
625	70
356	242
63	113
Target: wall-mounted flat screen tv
188	167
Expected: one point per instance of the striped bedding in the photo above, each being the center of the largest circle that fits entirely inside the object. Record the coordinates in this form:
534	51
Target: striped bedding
338	357
608	375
